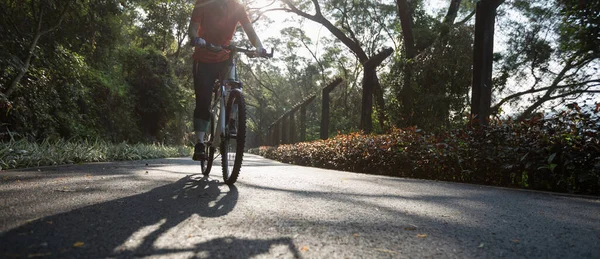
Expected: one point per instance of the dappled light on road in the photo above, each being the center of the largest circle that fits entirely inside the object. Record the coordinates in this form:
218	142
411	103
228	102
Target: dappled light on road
155	208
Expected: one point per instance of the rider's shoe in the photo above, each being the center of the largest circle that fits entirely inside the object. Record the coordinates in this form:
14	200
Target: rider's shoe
232	128
199	152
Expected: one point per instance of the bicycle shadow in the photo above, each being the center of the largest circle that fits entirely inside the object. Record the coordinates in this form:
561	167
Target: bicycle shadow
227	247
99	230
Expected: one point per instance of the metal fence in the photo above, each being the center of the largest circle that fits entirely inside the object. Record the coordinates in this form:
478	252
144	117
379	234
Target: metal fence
283	130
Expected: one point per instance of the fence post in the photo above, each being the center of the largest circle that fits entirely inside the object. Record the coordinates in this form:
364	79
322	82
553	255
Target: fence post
303	123
267	139
292	127
284	129
276	135
325	107
325	115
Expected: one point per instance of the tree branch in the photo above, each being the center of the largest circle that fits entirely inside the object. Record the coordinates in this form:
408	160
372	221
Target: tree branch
346	27
466	19
452	12
60	19
352	45
378	58
533	90
495	3
377	18
317	8
260	83
569	64
316	59
258	8
269	10
573	93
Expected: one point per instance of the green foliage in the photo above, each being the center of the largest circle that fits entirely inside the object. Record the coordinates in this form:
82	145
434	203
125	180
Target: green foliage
22	153
441	78
558	154
152	90
88	78
580	27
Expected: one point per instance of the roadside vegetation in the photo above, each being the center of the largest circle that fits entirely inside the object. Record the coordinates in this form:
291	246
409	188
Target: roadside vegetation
560	154
23	153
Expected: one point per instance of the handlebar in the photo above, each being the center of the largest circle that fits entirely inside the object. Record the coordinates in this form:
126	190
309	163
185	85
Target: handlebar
249	52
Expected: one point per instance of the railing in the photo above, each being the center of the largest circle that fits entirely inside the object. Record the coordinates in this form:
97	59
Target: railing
283	130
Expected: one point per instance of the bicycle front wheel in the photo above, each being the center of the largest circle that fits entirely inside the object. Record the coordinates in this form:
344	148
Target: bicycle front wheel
232	144
209	138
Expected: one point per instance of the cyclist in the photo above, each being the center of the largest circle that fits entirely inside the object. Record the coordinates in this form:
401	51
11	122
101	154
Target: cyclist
213	21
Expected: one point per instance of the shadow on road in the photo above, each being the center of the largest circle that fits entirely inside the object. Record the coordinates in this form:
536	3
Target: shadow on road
509	223
229	247
101	230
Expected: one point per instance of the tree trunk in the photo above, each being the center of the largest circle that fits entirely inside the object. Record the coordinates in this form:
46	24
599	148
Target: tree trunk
379	102
23	70
449	20
370	79
366	123
407	92
481	96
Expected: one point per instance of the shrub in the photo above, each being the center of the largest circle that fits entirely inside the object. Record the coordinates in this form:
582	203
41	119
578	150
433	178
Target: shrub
556	154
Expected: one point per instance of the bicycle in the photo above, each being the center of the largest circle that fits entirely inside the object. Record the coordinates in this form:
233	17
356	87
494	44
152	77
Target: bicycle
228	118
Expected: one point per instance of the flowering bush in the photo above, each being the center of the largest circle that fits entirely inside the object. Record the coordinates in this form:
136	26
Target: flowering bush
556	154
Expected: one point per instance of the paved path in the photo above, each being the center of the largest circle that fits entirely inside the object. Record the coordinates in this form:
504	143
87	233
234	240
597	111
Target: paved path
162	209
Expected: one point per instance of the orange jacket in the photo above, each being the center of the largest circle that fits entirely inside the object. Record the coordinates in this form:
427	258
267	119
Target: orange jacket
218	20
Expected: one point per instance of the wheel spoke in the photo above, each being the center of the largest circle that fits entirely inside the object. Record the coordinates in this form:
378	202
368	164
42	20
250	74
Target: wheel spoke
235	132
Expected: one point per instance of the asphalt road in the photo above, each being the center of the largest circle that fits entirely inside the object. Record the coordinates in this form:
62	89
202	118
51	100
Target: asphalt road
164	209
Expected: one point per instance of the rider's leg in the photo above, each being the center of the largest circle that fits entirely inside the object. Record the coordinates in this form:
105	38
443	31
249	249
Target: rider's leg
205	75
200	136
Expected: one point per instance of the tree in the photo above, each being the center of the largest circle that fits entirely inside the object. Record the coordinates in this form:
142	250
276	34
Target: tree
429	77
407	92
44	17
358	33
553	55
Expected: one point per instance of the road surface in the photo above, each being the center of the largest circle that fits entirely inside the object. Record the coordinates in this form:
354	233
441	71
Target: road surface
164	209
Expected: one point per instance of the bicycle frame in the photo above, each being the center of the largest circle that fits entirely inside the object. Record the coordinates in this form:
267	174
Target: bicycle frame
228	117
227	83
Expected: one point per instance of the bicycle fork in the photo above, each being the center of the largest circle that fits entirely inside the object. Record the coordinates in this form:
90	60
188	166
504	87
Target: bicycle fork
221	120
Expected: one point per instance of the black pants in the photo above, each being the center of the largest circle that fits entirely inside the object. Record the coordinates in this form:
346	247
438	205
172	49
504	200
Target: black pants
205	75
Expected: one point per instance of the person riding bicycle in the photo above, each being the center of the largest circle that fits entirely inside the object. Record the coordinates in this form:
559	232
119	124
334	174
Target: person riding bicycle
214	22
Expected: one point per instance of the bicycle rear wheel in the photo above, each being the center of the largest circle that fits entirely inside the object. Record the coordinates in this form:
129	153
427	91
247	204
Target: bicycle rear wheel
232	144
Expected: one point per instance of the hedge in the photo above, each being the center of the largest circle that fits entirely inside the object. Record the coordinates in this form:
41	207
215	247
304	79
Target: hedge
560	153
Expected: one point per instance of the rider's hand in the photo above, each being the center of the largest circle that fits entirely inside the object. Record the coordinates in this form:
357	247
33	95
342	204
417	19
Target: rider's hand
261	52
200	42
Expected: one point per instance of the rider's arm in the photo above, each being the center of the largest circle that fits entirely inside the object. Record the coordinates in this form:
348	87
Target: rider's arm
252	35
195	21
193	30
249	29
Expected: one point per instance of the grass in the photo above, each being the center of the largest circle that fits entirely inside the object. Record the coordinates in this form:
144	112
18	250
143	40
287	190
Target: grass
22	153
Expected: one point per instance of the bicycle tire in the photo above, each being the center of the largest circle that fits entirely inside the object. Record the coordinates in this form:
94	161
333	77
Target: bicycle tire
232	147
206	165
